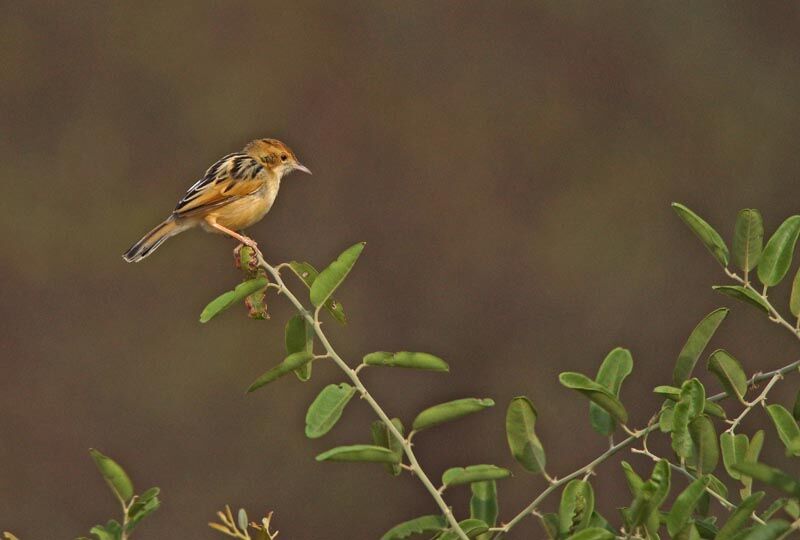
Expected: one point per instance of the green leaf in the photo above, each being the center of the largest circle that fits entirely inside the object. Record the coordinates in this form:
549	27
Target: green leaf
739	518
777	255
145	504
705	232
226	300
689	406
451	410
521	434
114	475
666	417
713	409
772	530
597	393
307	273
770	475
329	279
593	533
684	505
794	297
748	238
744	295
299	338
751	455
696	344
796	408
787	427
458	476
729	372
704	437
360	452
640	508
577	505
111	531
404	359
483	503
327	408
615	367
660	477
290	363
420	525
734	448
689	532
382	437
633	479
549	522
471	527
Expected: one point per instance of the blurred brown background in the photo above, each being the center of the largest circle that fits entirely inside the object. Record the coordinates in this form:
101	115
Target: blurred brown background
509	164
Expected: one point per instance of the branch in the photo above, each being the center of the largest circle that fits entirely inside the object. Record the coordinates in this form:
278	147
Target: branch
352	374
774	375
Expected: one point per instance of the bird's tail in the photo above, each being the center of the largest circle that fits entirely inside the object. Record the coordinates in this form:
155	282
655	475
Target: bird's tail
150	242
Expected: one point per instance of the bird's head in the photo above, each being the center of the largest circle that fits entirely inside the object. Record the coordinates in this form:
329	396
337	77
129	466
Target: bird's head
275	156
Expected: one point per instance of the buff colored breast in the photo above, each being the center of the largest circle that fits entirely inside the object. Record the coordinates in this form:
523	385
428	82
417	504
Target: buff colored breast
242	213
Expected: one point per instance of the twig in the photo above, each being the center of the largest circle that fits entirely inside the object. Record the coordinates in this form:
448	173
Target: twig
760	399
774	316
723	501
353	375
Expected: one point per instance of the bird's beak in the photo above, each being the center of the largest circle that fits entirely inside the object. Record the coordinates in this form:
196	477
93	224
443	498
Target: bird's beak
303	168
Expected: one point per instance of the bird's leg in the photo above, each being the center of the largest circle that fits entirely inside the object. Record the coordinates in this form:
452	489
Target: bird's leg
233	234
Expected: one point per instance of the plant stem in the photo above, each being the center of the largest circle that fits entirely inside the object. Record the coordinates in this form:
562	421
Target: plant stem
723	501
531	508
353	376
760	399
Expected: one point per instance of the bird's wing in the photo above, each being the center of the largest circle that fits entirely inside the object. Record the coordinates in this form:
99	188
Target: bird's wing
234	176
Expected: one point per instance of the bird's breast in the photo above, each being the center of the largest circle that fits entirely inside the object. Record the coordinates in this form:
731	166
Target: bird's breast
246	211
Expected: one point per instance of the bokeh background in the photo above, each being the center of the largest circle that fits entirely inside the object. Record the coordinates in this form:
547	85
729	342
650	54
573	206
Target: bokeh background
510	166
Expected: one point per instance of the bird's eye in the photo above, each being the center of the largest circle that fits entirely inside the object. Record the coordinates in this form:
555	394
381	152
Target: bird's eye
284	157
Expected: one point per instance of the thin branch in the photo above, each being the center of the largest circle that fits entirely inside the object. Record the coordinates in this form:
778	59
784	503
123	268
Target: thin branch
760	399
774	316
313	320
723	501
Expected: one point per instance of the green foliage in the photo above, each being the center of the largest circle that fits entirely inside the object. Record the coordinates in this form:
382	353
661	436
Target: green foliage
613	371
748	239
308	274
134	507
778	253
327	408
743	294
292	362
114	475
483	503
452	410
787	427
705	232
458	476
227	299
689	417
520	432
576	508
597	393
420	525
696	344
360	452
329	279
404	359
382	437
729	372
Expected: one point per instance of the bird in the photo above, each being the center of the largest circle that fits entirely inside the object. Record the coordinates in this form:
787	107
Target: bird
233	194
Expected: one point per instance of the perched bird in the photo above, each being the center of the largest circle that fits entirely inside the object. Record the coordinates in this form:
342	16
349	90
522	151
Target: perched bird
235	192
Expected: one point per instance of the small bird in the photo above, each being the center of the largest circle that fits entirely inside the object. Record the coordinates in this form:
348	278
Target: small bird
234	193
